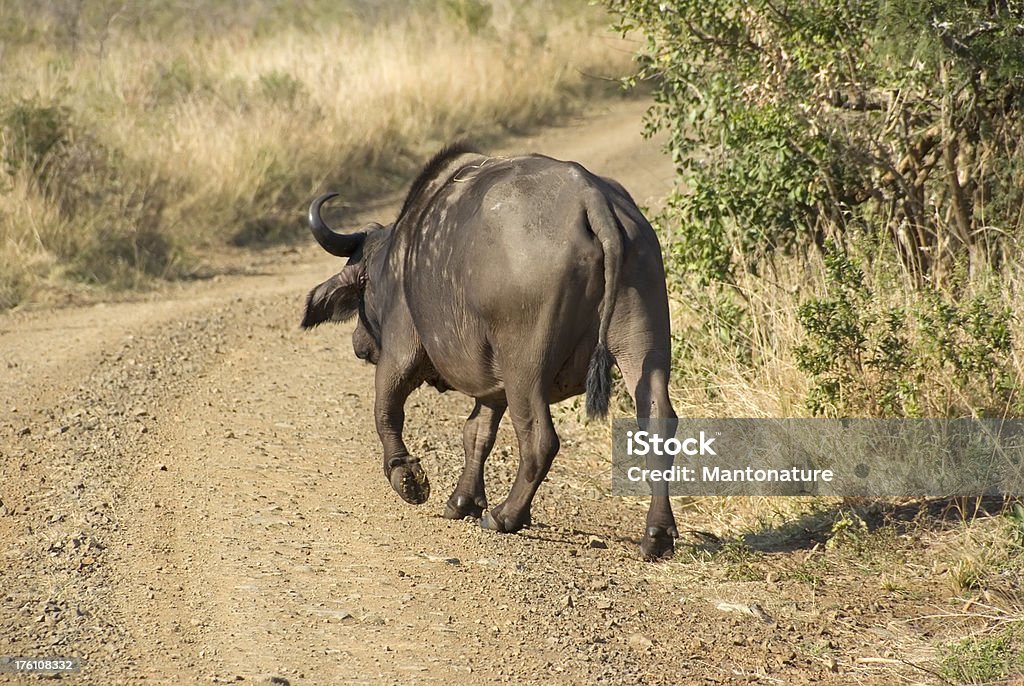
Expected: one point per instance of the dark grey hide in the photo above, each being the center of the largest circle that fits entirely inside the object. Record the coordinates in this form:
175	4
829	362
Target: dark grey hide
517	281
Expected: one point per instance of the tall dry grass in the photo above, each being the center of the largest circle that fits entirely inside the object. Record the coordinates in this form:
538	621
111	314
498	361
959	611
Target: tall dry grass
168	143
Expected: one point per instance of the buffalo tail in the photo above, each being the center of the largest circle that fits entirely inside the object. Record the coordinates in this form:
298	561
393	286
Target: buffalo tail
599	382
605	226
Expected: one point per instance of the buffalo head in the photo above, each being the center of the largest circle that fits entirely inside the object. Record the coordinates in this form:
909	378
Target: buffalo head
351	291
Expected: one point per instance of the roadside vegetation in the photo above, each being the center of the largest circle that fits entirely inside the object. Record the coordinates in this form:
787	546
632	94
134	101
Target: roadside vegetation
844	241
134	136
845	237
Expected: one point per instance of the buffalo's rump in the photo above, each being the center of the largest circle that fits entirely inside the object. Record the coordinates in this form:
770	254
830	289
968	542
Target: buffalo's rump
504	275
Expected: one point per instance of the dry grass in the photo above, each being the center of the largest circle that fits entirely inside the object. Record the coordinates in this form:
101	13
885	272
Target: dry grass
28	222
715	382
225	137
752	370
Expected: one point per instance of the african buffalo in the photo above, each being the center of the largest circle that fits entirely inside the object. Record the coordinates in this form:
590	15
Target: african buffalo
517	281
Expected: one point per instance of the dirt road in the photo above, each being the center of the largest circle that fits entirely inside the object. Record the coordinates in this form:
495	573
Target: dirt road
190	492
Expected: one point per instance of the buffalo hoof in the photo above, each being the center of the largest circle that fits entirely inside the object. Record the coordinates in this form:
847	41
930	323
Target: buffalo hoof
462	506
495	521
411	482
658	543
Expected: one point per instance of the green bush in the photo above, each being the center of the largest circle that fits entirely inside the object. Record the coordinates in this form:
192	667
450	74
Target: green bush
856	351
791	122
935	354
805	130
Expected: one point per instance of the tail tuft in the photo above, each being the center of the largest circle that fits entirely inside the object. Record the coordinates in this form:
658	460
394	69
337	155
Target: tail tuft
599	382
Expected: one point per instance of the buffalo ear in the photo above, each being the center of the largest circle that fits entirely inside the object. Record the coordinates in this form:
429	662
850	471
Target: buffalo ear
336	299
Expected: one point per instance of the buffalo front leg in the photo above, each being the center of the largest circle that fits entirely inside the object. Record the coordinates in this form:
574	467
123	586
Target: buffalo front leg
469	498
538	445
394	383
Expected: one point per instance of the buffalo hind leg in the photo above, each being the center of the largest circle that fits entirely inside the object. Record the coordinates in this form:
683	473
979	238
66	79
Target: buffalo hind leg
538	445
646	376
469	498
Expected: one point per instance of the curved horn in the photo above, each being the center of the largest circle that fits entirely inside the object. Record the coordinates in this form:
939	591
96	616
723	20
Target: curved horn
340	244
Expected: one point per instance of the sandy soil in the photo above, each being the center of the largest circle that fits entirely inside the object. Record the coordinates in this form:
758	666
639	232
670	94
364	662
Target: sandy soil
190	492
